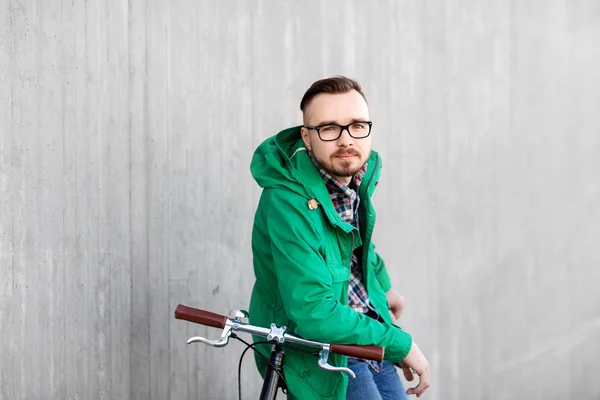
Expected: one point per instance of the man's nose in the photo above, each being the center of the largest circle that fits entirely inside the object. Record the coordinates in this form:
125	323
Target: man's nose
345	139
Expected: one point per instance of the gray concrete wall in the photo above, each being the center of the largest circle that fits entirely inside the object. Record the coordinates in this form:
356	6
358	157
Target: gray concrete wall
126	131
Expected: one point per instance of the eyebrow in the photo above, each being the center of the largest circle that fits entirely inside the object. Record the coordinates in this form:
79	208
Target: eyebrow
353	120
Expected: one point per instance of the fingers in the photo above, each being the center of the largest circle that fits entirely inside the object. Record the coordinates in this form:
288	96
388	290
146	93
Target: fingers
395	313
408	373
406	370
421	387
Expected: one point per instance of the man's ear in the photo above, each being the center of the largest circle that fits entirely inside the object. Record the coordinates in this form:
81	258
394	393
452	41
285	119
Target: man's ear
305	138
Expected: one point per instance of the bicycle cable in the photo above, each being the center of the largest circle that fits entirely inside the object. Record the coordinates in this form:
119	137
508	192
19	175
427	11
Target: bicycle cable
251	346
248	347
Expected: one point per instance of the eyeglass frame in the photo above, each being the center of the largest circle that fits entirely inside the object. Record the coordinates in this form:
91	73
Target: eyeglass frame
342	128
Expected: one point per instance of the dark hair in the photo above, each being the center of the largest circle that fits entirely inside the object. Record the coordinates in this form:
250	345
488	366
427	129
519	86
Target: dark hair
335	85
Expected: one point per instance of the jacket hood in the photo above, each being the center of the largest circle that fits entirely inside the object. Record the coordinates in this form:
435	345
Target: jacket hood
275	161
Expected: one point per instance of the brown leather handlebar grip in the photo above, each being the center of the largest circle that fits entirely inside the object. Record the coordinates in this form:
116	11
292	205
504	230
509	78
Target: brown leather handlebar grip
200	316
374	353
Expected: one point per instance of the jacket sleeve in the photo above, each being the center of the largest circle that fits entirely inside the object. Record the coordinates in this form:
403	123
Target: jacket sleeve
306	284
380	270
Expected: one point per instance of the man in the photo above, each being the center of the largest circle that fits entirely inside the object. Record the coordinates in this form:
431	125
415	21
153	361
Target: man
315	265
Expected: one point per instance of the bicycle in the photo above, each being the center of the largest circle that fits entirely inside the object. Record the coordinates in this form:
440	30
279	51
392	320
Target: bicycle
237	320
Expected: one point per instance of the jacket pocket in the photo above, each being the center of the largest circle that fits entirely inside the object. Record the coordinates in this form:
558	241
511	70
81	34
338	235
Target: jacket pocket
306	380
340	275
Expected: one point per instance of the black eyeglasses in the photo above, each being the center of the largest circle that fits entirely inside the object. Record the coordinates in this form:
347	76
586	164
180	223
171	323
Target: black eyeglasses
331	132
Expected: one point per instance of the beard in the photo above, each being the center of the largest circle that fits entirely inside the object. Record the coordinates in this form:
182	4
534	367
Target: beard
337	167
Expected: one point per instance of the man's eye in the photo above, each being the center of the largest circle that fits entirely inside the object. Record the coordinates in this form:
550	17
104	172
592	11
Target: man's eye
359	126
328	128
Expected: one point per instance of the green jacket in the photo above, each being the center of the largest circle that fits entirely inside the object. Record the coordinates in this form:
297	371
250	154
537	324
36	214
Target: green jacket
302	267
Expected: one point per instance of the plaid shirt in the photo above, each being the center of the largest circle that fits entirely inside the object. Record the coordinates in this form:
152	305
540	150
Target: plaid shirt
346	201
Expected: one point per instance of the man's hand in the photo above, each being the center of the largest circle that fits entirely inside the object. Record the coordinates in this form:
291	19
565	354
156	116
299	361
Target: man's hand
416	361
396	303
408	372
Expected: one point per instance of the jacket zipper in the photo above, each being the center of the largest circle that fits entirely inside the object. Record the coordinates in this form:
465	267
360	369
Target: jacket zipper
366	252
351	250
370	180
372	175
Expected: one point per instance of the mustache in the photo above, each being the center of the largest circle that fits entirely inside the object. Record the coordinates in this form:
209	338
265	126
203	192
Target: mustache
350	152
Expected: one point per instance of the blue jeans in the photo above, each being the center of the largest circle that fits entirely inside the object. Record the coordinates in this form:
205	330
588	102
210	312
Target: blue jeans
369	384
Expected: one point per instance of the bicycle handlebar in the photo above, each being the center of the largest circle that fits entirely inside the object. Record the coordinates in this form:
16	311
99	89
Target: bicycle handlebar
368	352
198	316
